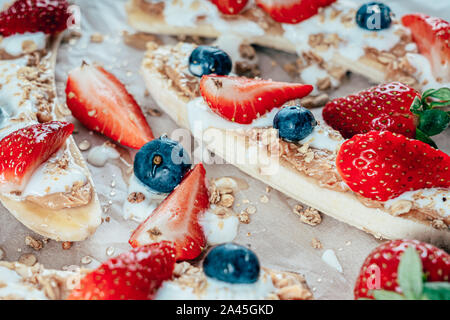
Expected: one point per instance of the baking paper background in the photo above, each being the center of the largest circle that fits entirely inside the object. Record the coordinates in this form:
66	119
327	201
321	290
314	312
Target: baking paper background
275	232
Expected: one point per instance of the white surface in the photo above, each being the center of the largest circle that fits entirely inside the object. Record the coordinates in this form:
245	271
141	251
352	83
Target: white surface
275	232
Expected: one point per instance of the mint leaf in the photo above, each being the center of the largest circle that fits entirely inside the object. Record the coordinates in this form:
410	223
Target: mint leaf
424	138
387	295
410	274
437	290
433	122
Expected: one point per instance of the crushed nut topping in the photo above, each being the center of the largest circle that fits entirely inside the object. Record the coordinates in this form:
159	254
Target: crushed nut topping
309	215
136	197
33	243
28	259
316	244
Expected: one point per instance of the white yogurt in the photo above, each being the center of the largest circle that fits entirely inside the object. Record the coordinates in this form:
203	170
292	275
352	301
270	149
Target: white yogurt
218	290
14	45
186	13
313	74
424	72
330	258
321	138
355	38
437	199
140	211
219	230
100	155
16	287
12	89
46	180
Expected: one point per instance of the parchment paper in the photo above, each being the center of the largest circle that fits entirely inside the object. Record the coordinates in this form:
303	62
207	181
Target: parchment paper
275	232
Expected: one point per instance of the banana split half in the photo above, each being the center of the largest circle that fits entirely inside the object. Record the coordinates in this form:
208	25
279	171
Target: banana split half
220	113
335	38
45	182
169	280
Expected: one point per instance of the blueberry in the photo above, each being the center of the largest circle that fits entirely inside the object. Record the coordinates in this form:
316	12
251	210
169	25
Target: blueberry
207	60
294	123
374	16
232	263
161	164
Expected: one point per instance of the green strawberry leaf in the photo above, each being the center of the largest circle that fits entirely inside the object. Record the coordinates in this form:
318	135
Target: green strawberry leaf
387	295
410	276
442	94
437	290
416	106
433	122
425	138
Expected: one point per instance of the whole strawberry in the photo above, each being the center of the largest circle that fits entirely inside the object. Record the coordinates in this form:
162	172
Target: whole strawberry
381	165
405	269
48	16
133	275
393	107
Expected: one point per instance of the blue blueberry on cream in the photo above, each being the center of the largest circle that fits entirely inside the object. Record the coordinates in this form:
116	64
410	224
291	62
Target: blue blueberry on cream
232	263
374	16
206	60
294	123
161	164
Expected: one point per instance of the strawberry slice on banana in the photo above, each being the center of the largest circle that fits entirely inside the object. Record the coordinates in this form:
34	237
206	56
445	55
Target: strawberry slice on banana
292	11
176	219
133	275
432	36
103	104
24	150
381	165
243	100
48	16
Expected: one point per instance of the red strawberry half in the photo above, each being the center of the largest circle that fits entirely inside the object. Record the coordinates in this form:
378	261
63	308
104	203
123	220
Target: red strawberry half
292	11
177	217
381	165
243	100
405	269
393	107
384	107
134	275
230	6
102	103
432	36
48	16
24	150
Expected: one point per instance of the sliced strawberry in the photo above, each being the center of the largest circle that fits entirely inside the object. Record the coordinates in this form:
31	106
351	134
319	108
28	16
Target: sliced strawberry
381	165
48	16
432	36
380	270
243	100
102	103
384	107
134	275
230	6
177	217
292	11
24	150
